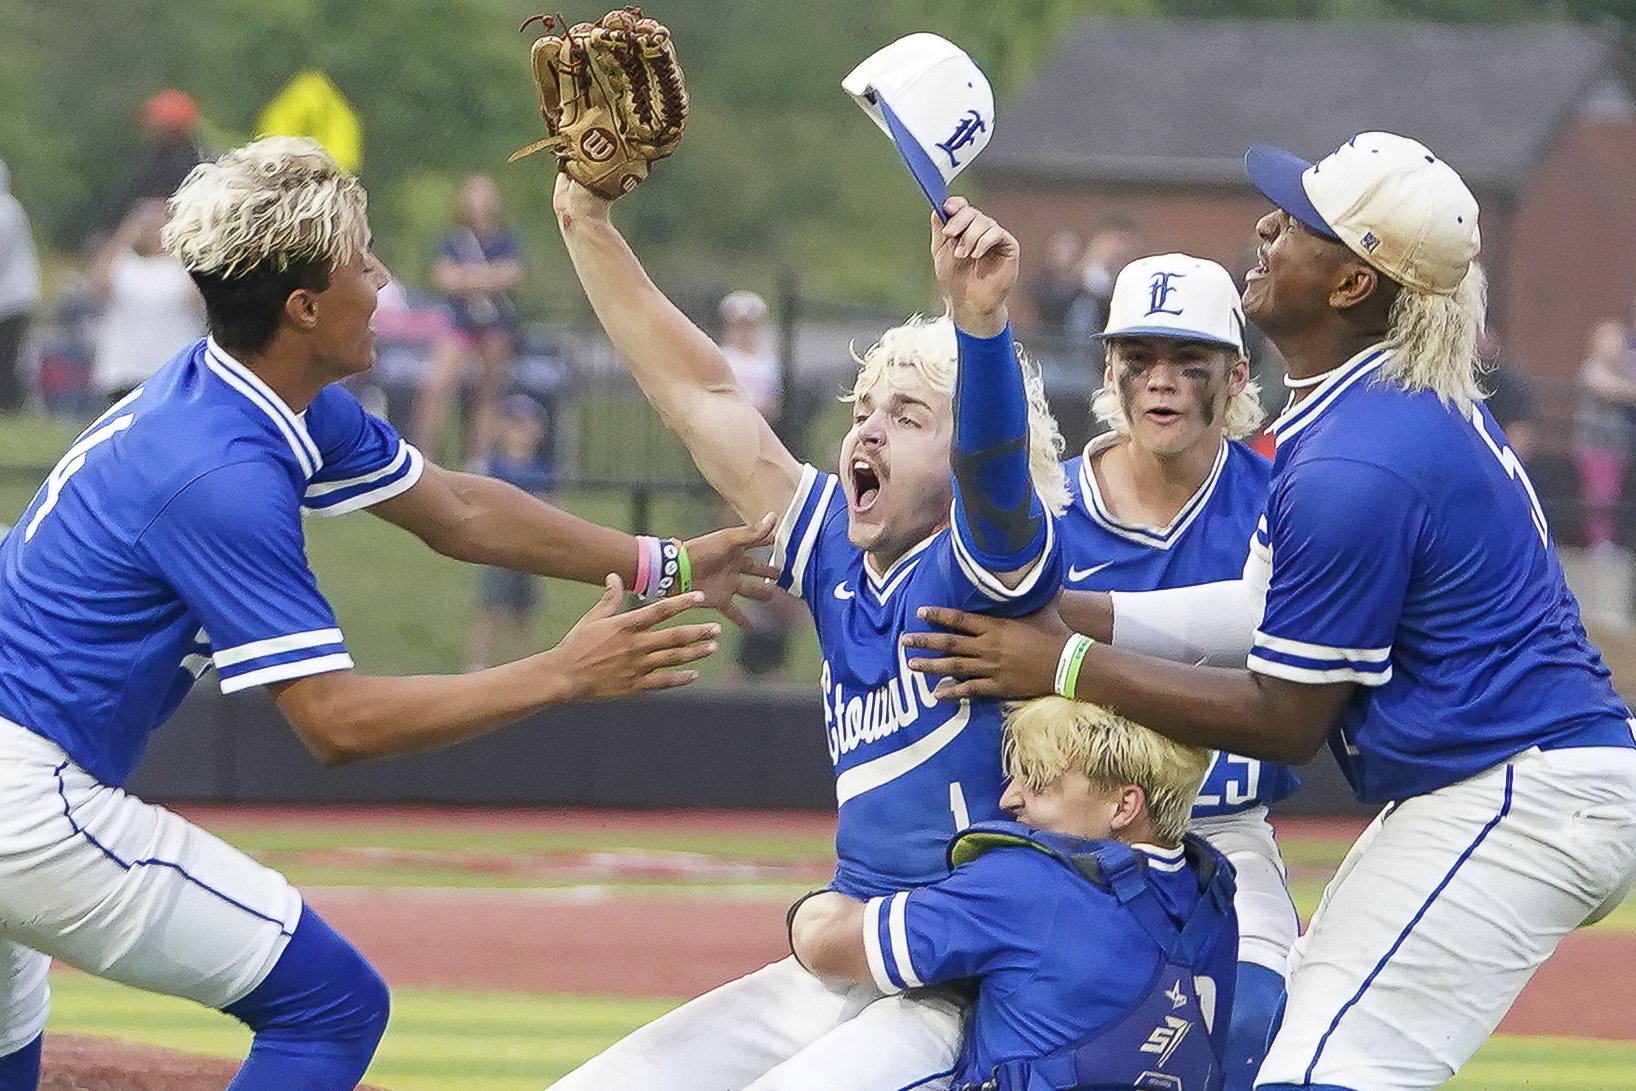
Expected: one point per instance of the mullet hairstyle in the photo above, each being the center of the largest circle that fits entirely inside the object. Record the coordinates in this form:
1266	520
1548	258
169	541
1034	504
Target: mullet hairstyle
261	222
1048	736
1434	340
1244	413
928	346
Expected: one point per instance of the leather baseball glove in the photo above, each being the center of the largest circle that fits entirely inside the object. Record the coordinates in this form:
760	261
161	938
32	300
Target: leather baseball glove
612	97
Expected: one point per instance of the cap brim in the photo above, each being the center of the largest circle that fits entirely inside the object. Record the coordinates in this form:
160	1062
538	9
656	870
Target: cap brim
1166	331
1277	174
920	164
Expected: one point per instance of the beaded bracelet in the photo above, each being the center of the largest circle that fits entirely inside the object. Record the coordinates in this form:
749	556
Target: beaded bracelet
1068	664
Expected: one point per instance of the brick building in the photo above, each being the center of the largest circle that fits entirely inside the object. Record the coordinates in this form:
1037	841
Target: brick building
1149	121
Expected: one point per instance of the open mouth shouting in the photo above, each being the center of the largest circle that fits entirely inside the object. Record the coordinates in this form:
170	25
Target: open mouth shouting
864	485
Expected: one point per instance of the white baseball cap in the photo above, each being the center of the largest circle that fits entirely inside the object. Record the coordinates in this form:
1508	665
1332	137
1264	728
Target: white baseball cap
1176	295
1387	198
933	101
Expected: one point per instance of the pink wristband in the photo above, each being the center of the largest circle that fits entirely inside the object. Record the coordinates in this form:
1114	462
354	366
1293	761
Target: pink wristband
644	563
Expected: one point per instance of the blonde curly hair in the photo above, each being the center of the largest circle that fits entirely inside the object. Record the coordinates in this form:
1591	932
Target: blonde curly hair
279	201
928	346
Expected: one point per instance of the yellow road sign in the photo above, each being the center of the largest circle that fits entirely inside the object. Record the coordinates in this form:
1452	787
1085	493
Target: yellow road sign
310	105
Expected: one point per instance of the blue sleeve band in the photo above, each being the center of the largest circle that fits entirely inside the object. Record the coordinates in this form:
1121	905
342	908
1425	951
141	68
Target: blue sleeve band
994	502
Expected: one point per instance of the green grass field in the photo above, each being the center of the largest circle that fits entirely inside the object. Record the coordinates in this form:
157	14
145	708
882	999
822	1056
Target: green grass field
443	1039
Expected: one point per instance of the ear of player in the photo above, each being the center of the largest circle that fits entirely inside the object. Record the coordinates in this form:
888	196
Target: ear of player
612	98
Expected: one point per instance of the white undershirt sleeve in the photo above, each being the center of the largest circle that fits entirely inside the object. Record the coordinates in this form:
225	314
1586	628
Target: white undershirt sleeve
1209	623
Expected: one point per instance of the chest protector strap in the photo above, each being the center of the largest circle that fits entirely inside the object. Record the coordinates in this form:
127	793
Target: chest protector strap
1162	1042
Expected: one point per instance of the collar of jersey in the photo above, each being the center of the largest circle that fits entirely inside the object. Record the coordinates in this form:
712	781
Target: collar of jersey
883	585
290	424
1337	382
1156	537
1162	859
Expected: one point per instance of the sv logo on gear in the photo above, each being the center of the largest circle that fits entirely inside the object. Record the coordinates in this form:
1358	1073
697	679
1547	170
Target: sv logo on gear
598	145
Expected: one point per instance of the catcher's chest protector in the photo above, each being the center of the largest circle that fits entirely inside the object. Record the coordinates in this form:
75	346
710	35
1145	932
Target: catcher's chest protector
1162	1042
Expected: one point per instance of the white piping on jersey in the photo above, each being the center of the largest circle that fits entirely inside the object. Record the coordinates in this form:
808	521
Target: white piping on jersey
259	394
1336	382
298	668
781	541
1338	670
898	928
888	767
407	452
1321	651
883	585
1162	859
1090	498
276	645
872	952
989	583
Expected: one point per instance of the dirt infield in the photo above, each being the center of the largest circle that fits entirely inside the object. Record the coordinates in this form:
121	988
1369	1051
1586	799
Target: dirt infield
596	940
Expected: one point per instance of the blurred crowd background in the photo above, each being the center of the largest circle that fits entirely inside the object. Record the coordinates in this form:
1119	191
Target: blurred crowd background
787	228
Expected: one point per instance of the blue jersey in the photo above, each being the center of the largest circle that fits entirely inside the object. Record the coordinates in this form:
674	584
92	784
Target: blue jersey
1206	542
169	539
1404	549
910	770
1057	958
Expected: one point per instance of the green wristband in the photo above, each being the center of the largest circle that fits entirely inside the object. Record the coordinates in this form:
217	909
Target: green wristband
684	578
1069	662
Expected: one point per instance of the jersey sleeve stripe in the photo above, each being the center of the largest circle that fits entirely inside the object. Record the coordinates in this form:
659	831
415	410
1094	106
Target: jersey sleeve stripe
805	518
873	952
260	649
987	582
898	929
383	484
1303	650
296	668
1293	669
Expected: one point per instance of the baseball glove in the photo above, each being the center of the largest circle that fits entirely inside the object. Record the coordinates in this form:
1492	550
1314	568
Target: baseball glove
612	97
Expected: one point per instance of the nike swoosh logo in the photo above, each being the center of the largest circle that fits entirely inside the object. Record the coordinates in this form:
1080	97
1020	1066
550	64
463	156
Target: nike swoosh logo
1075	574
842	592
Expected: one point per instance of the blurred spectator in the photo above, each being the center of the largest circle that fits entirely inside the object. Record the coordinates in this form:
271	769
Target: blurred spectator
150	308
478	268
746	341
1510	396
1114	243
1053	289
1602	429
169	150
413	336
508	600
19	291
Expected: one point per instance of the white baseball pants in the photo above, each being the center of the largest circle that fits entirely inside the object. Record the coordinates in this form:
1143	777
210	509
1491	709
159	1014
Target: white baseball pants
1267	921
1441	912
782	1029
121	889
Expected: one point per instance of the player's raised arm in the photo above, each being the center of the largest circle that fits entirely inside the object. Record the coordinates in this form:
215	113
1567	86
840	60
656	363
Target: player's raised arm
682	372
1001	527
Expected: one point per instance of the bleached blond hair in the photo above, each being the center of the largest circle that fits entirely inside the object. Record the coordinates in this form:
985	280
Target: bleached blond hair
928	346
1244	413
279	201
1048	736
1434	340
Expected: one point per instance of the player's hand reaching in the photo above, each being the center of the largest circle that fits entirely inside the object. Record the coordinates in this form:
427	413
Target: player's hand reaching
976	262
609	654
985	656
724	567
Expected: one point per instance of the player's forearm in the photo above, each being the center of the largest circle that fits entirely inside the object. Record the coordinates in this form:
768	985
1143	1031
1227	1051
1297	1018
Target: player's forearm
1088	612
995	509
1211	623
826	936
486	521
1226	709
345	717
